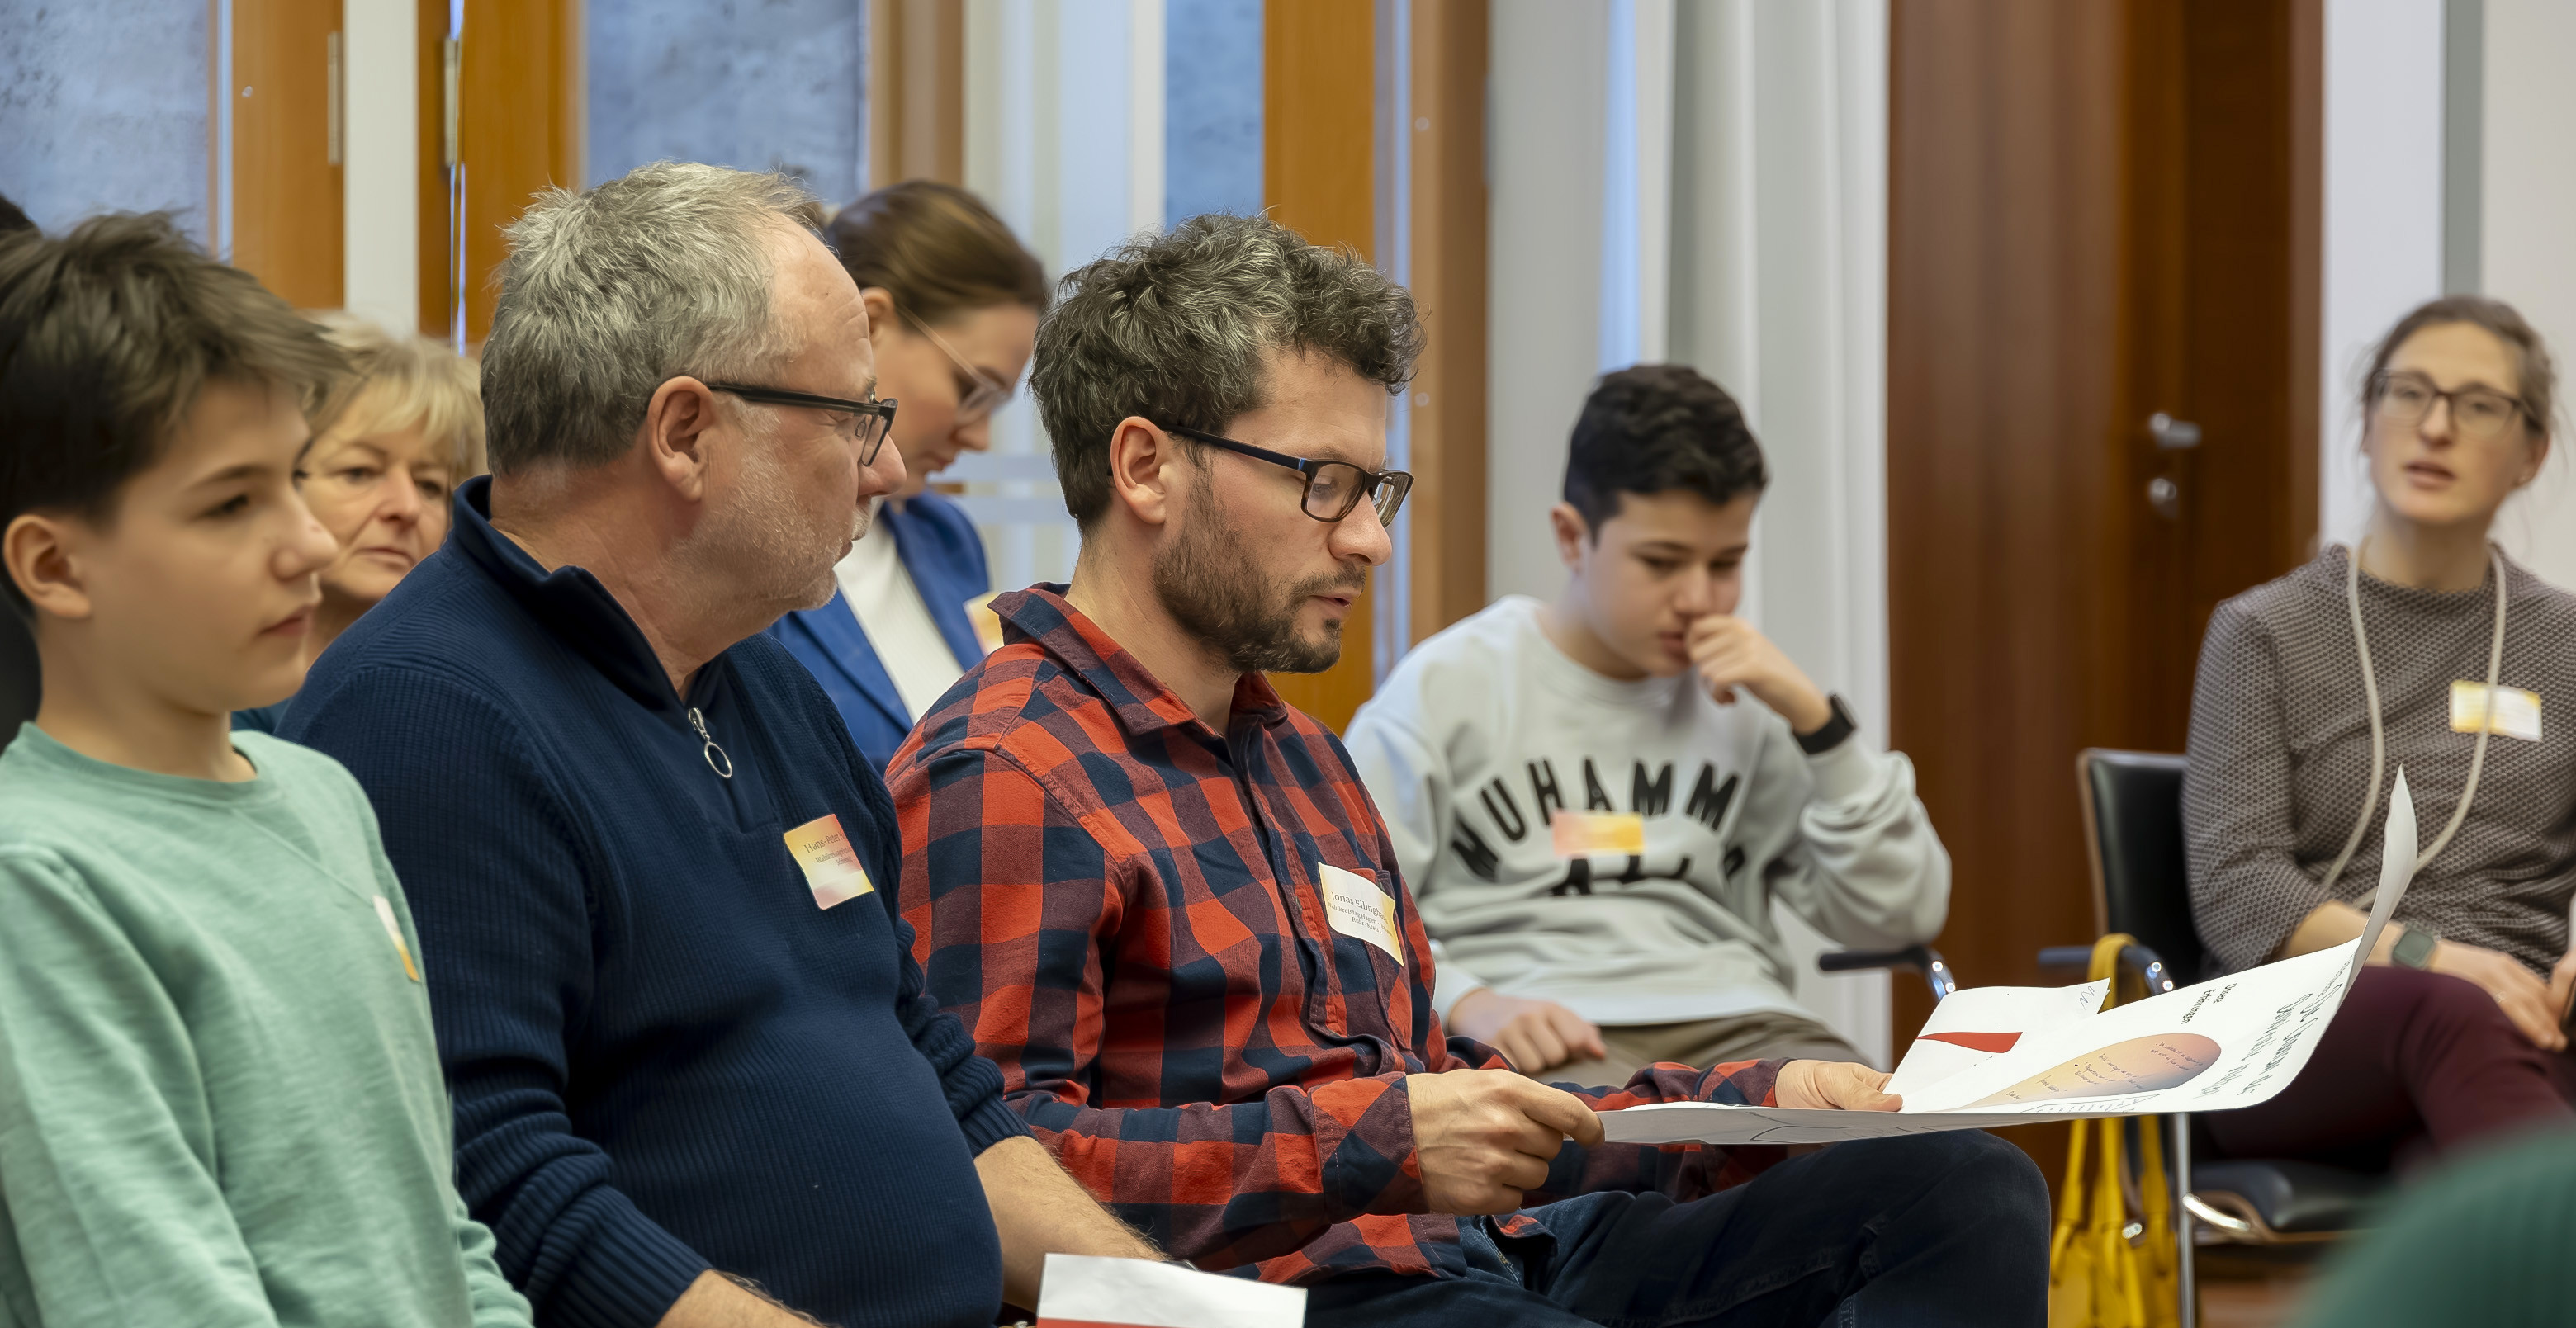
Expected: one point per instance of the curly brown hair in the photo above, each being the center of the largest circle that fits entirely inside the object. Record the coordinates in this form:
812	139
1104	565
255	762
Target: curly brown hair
1172	328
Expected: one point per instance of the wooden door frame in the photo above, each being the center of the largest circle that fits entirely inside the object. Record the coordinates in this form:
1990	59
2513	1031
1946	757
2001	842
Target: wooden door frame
518	128
916	92
1450	205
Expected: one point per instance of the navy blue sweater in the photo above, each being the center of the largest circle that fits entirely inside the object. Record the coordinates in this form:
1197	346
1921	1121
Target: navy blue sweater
664	1055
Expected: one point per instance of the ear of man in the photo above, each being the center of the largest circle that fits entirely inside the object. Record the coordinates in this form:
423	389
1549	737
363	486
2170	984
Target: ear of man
678	423
1146	467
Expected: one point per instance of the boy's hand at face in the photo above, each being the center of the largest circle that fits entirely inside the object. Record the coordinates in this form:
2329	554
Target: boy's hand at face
1728	653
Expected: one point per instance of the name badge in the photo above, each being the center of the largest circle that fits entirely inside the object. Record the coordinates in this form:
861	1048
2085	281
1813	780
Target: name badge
1585	834
987	624
393	928
1359	910
2517	712
832	868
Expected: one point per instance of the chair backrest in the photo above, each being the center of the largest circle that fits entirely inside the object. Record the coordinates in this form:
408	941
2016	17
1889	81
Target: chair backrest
2133	819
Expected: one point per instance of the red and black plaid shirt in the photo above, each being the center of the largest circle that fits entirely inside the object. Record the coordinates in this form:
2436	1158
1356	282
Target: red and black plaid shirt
1123	906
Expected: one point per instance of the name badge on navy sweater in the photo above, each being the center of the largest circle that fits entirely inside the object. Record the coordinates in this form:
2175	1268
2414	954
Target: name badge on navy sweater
832	868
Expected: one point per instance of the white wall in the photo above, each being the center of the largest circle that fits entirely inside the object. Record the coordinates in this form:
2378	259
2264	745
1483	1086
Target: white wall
2527	256
380	173
2383	216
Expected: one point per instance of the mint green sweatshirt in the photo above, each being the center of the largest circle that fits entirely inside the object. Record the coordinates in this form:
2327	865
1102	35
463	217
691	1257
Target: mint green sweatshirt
220	1099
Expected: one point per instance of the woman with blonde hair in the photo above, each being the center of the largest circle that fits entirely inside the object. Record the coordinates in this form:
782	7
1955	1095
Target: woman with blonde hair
2423	649
406	429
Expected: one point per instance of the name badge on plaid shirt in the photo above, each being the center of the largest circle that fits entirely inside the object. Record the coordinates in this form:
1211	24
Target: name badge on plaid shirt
1359	910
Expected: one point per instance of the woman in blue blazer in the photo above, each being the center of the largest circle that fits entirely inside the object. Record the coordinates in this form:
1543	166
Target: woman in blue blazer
953	301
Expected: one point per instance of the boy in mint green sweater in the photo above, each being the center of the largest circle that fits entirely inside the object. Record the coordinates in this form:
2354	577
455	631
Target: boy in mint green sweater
220	1099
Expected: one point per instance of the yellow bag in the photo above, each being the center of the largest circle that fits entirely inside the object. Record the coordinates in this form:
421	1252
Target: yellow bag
2098	1275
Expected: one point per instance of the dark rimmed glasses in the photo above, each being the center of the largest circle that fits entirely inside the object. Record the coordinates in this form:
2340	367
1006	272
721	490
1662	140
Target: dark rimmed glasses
980	393
1333	488
866	425
2478	414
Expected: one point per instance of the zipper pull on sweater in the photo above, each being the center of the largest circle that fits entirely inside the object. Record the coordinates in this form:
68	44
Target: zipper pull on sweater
716	758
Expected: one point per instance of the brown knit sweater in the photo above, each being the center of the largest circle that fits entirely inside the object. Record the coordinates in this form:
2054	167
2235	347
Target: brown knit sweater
2280	755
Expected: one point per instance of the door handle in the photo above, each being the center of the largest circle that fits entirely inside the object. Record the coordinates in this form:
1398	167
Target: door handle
2165	497
2172	435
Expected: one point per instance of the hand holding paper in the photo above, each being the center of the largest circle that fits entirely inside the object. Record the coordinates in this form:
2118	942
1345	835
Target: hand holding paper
2000	1055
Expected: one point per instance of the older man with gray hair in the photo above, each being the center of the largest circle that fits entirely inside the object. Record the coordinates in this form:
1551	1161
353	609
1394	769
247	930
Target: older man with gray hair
694	1069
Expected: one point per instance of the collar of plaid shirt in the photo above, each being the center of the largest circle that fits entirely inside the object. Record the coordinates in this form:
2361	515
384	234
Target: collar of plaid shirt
1194	1040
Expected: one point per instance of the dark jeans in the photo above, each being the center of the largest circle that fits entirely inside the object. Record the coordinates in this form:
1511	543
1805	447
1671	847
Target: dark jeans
1929	1229
2414	1065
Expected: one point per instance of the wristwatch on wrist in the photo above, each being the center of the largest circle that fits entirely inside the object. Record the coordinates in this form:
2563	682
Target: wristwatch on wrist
2415	948
1830	736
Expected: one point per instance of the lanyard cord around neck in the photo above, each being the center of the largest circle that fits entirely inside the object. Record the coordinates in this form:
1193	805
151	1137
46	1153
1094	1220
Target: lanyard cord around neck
2378	737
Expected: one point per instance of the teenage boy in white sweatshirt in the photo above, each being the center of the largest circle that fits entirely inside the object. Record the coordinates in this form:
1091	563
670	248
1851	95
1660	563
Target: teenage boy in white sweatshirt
1596	800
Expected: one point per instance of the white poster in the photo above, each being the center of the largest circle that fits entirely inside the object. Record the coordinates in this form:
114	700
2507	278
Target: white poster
2002	1055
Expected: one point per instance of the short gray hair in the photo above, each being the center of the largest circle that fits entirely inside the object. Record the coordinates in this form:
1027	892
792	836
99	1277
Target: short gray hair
611	291
1171	328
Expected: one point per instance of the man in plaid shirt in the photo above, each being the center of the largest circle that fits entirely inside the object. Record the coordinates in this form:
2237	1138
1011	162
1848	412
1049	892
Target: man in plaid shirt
1166	907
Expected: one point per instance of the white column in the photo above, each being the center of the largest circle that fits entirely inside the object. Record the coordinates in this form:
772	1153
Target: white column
380	162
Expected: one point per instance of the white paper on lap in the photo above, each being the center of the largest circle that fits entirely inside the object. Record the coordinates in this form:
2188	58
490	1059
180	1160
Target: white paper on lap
1082	1291
2228	1042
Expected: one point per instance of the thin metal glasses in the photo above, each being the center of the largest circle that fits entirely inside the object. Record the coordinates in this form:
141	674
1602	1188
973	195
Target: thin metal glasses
865	425
1333	488
982	392
2478	414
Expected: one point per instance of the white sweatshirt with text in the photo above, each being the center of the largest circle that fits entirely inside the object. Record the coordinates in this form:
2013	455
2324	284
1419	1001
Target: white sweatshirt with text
1484	731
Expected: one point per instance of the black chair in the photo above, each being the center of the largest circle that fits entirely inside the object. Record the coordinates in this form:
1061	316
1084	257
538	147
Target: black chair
2133	821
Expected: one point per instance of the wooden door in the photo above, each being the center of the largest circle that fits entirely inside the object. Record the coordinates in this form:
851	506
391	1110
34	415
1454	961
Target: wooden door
283	90
1318	178
2099	210
501	119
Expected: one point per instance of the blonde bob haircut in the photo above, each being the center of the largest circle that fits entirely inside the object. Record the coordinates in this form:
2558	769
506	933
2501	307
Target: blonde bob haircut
399	381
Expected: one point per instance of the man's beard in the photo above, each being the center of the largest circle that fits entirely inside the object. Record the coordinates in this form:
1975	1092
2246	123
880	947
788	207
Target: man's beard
778	555
1211	583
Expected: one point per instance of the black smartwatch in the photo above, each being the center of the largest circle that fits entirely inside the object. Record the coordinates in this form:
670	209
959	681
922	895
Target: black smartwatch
2415	948
1830	736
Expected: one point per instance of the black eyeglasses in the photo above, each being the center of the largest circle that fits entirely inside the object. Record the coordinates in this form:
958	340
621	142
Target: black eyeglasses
2478	414
1333	488
866	427
978	393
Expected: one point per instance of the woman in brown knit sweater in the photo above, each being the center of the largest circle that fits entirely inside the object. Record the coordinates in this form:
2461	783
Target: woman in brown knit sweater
2316	688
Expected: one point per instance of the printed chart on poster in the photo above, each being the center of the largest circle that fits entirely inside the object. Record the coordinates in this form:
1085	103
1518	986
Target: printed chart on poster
1993	1056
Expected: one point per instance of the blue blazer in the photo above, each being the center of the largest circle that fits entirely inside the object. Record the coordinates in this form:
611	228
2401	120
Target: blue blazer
940	549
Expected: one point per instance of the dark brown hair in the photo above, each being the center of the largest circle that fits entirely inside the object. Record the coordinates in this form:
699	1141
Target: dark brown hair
2536	373
1657	428
937	250
1172	328
108	334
